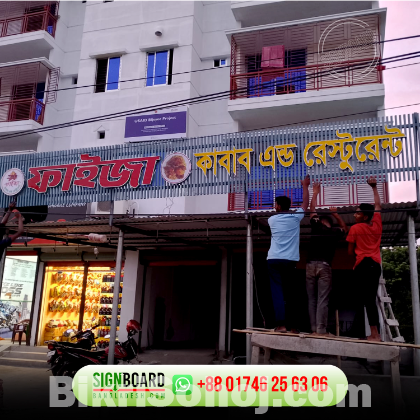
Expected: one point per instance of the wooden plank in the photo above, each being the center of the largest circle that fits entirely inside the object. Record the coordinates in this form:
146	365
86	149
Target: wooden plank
396	387
333	348
392	322
255	355
351	340
267	353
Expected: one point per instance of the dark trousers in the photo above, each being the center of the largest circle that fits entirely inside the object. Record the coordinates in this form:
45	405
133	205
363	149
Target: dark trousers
366	276
318	287
284	291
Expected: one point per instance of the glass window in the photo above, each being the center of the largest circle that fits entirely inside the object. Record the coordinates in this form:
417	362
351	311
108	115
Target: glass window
159	68
113	73
107	74
220	62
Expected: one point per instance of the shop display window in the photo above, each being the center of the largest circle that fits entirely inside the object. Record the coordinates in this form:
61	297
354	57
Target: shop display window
62	301
16	292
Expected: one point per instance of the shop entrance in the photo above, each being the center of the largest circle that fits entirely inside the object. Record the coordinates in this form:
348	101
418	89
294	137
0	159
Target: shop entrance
183	310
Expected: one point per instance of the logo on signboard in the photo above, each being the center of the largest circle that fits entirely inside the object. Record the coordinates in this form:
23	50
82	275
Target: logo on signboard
357	57
12	181
176	168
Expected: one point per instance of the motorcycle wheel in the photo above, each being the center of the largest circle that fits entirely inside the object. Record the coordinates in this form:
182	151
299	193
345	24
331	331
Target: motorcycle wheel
10	327
66	371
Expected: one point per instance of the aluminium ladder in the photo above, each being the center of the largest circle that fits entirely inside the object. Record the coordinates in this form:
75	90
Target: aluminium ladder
384	302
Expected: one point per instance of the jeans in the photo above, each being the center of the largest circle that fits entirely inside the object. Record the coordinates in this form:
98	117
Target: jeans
366	276
283	291
318	287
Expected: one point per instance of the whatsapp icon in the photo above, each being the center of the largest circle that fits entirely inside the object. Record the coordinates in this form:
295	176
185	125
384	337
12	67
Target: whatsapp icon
182	384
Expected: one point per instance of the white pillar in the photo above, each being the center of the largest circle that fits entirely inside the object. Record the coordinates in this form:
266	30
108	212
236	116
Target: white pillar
223	303
249	289
132	290
113	331
146	310
414	277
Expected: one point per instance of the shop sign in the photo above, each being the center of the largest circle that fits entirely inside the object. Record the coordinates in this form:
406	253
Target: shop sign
176	167
159	125
12	181
111	173
316	152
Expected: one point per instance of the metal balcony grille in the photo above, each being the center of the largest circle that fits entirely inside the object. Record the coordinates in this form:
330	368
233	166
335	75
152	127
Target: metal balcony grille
19	17
306	57
22	91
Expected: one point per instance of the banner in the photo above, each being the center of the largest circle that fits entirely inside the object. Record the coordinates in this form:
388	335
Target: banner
158	125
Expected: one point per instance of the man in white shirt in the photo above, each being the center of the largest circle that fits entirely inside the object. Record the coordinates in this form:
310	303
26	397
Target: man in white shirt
282	257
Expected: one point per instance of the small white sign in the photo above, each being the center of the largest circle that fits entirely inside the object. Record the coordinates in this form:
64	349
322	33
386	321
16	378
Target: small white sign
12	181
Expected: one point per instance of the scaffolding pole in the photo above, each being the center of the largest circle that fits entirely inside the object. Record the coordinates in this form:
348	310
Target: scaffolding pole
414	289
117	282
249	289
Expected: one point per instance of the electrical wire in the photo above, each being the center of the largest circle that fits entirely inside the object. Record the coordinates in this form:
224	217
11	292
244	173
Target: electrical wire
218	68
192	101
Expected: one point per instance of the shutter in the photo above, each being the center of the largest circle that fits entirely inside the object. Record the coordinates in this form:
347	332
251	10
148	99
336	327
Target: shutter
101	69
364	193
53	78
336	195
236	202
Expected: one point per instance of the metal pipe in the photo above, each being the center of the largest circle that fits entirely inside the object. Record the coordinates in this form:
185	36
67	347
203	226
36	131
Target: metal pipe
414	289
83	299
249	290
117	281
416	154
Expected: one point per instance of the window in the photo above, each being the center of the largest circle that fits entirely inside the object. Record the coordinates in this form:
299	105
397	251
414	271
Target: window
107	74
220	62
101	134
159	68
74	81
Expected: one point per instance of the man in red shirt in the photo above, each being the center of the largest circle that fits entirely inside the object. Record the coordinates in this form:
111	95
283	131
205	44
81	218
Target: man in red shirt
364	241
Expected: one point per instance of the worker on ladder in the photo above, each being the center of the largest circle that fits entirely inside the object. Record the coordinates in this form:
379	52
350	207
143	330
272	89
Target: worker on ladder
364	241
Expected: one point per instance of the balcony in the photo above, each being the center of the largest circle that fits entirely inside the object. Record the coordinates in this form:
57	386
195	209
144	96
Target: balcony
306	70
27	29
20	17
253	13
25	89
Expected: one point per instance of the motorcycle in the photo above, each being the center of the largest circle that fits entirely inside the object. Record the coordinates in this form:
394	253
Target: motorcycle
73	359
85	340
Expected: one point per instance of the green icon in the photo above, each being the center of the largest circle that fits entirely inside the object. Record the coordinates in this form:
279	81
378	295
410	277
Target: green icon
182	384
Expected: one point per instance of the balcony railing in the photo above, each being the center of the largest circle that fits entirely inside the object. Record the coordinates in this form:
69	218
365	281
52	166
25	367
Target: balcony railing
22	109
304	78
42	20
303	57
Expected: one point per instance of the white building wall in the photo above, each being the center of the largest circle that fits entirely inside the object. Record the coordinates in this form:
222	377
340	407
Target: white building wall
197	33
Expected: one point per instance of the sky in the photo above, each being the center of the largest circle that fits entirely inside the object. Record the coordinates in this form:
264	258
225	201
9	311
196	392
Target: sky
402	85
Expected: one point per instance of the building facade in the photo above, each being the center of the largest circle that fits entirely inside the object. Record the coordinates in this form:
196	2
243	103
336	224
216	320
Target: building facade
230	67
71	61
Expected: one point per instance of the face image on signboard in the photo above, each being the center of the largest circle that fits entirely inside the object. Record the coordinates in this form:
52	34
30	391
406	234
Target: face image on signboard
176	168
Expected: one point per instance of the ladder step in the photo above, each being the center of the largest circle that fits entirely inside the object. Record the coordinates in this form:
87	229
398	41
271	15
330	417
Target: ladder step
392	322
385	299
399	339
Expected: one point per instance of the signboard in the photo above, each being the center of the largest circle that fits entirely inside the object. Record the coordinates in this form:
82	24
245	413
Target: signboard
163	124
339	153
16	292
12	181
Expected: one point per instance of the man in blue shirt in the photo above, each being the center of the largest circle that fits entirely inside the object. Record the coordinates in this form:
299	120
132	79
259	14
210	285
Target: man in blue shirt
282	257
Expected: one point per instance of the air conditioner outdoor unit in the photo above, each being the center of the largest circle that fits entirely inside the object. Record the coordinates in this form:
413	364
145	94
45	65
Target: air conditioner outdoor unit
103	207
